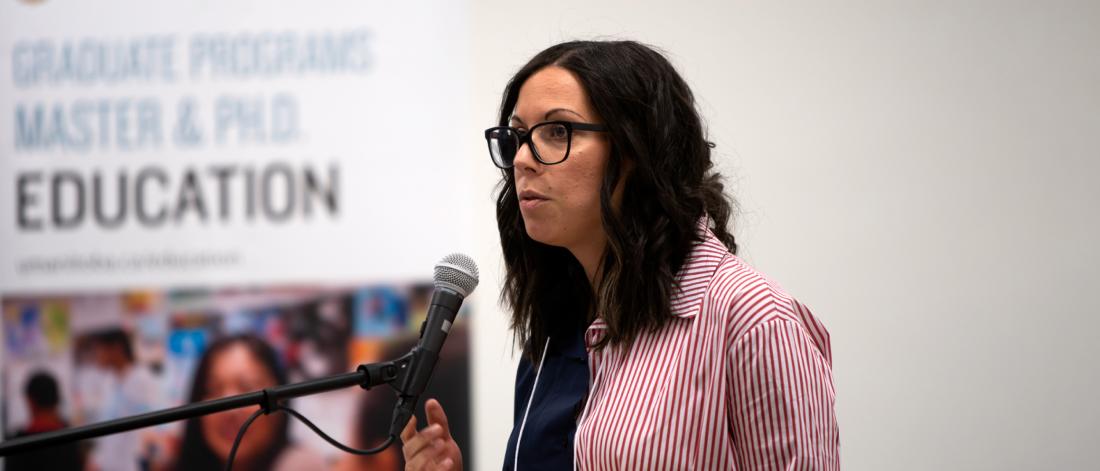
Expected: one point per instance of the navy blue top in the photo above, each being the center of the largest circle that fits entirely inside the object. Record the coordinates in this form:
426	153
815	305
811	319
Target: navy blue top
547	441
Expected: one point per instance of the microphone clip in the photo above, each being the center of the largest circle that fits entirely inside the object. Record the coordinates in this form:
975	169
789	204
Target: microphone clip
387	372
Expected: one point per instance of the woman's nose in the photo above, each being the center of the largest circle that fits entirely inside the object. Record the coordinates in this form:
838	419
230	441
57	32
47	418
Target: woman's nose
525	159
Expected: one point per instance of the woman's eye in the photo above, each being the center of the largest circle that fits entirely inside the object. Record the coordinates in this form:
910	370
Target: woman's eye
557	132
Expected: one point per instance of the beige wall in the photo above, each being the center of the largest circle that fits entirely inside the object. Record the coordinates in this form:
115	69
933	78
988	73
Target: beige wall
921	174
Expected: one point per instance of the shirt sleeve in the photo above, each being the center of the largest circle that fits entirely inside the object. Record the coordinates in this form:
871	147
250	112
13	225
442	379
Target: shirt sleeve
781	400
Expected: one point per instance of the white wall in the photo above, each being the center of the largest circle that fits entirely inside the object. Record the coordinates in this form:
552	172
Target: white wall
921	174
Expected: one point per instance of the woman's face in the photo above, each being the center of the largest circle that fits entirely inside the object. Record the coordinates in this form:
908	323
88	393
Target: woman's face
560	203
235	370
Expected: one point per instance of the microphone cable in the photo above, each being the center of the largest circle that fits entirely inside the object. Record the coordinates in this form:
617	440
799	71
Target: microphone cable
293	413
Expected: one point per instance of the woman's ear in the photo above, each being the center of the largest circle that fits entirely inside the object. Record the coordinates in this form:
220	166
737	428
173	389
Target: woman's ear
625	171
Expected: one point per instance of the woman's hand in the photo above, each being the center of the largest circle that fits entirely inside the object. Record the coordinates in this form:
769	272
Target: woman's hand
433	447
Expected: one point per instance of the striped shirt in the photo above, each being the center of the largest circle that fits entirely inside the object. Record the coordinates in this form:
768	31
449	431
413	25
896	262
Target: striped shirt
740	379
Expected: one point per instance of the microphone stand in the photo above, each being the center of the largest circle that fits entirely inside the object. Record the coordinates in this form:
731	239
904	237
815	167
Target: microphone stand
365	376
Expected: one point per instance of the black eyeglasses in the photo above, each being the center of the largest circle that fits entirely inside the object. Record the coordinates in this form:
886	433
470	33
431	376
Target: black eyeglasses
550	141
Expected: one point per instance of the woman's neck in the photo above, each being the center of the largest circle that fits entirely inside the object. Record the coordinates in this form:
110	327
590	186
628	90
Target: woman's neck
591	257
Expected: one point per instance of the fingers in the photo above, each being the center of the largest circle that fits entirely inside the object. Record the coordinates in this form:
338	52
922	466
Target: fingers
427	453
430	448
409	430
435	414
431	435
432	458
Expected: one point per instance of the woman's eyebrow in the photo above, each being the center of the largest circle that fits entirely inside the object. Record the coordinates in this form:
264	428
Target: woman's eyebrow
516	119
563	110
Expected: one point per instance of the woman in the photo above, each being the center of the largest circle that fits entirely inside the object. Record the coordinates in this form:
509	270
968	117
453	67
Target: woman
647	342
237	365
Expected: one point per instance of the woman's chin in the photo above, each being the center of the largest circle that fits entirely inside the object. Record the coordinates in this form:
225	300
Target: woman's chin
539	234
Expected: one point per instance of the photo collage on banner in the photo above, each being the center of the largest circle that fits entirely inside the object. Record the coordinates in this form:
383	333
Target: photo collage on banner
120	354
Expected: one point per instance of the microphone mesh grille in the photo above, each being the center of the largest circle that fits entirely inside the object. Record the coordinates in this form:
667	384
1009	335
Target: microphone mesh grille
458	272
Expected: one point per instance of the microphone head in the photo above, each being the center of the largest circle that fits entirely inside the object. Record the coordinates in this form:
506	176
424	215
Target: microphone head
456	272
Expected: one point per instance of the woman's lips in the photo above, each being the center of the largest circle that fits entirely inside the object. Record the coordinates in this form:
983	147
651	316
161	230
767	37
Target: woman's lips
228	429
529	199
531	203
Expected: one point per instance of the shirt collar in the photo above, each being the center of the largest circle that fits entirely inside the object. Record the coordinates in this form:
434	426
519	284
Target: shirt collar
694	276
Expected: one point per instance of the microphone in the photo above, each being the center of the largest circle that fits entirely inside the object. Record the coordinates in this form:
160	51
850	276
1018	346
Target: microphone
455	278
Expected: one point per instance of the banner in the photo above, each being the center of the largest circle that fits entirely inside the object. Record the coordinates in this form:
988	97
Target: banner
181	173
230	141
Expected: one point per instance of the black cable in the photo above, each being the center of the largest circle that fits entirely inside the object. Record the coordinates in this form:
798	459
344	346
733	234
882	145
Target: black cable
355	451
240	434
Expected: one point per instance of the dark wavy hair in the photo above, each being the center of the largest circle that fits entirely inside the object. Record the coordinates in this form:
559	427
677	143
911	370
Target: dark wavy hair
655	132
195	453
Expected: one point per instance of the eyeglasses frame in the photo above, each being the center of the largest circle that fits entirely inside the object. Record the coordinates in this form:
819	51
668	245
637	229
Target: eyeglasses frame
525	138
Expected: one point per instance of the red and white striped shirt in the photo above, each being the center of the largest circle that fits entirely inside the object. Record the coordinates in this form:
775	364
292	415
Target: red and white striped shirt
740	379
